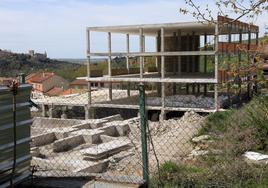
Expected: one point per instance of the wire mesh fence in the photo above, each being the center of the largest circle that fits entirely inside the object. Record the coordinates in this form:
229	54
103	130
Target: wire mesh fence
214	151
109	140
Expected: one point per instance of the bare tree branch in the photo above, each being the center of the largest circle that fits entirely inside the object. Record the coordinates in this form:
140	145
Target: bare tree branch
240	8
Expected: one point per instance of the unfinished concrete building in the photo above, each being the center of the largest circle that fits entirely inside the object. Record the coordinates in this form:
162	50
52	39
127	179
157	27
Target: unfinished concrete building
193	63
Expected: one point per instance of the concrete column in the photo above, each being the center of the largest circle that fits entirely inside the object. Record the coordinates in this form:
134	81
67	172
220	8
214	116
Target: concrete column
64	115
239	51
127	59
179	49
193	63
141	50
228	66
188	60
249	44
257	38
162	115
110	65
216	66
50	111
88	66
127	49
156	49
87	115
43	110
174	64
205	62
188	47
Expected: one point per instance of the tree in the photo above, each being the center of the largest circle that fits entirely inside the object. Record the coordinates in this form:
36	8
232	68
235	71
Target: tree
239	8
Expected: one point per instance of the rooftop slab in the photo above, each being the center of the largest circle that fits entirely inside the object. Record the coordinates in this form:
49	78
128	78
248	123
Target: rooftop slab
152	29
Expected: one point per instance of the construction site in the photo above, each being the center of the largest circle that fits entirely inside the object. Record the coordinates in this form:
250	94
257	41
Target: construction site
198	68
201	67
193	66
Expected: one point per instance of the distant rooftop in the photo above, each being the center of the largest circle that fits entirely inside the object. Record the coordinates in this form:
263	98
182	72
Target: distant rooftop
39	77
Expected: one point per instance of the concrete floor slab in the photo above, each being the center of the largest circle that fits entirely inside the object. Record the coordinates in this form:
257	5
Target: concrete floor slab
106	149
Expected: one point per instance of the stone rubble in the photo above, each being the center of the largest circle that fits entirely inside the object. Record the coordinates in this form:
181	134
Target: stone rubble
171	139
187	101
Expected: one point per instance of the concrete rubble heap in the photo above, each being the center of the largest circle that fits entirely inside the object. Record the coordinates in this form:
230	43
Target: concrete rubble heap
109	145
78	145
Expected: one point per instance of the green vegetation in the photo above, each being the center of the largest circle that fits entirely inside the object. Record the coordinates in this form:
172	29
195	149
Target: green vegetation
11	64
232	133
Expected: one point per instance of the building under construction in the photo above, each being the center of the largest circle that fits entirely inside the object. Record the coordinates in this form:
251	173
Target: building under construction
197	66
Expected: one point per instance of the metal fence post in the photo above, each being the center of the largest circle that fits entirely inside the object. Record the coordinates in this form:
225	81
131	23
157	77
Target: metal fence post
143	123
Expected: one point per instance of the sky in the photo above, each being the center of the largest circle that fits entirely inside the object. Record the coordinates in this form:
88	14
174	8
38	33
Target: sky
59	26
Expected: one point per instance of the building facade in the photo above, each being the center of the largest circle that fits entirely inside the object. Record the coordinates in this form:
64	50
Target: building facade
43	82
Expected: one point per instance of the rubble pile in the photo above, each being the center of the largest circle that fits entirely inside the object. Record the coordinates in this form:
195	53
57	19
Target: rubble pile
187	101
169	140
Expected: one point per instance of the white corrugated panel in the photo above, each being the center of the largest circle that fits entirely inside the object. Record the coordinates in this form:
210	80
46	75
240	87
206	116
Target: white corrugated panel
23	122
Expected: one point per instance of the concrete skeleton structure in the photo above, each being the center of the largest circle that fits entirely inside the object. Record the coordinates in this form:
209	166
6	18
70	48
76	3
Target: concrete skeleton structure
193	68
179	50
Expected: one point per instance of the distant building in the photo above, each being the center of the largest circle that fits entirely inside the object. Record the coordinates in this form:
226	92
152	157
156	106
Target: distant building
78	84
4	81
82	84
38	56
43	82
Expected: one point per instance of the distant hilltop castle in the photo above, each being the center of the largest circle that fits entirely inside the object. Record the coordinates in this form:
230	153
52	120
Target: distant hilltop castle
38	56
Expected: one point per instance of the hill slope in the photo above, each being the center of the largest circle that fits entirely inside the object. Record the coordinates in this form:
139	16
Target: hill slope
12	63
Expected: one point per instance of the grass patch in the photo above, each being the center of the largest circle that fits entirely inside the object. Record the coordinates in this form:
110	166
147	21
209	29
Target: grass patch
234	132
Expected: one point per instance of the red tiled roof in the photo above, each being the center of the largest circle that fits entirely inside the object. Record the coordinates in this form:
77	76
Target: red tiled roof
55	91
79	82
39	77
72	91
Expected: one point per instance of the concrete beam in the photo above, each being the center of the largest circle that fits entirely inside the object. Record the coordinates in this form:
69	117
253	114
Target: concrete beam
153	54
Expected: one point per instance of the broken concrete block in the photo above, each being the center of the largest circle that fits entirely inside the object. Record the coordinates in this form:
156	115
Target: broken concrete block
96	123
106	138
91	136
61	133
104	150
43	139
67	143
116	117
123	129
94	167
109	130
82	126
35	151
